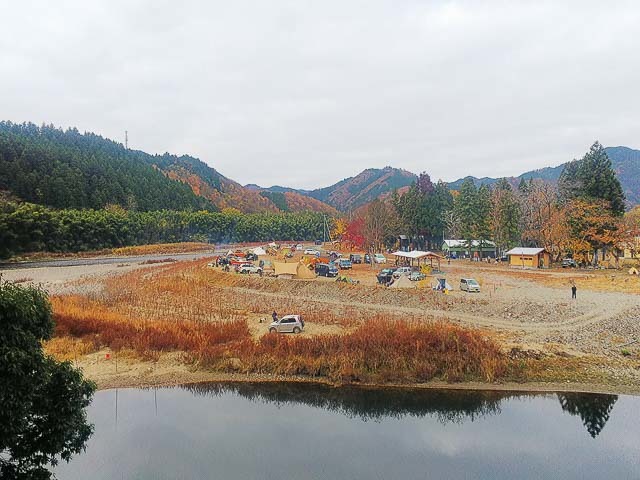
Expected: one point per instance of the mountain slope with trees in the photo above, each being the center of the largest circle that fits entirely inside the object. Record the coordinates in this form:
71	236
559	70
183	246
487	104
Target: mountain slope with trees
67	169
625	162
353	192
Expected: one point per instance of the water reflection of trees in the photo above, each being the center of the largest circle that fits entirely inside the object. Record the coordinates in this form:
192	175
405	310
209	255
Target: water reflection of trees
594	410
377	404
366	403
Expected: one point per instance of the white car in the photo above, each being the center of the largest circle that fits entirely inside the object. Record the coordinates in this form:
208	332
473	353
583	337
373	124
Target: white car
249	268
311	251
299	247
379	258
402	271
288	323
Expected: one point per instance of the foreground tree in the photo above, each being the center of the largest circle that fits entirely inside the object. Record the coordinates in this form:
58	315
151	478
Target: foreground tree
42	401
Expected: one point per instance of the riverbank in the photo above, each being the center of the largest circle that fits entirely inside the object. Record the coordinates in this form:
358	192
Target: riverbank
110	370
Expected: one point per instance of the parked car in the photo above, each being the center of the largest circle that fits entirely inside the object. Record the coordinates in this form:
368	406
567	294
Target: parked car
417	276
326	270
251	256
367	258
318	242
402	271
355	258
249	268
311	251
379	258
469	285
288	323
344	264
569	263
385	275
299	247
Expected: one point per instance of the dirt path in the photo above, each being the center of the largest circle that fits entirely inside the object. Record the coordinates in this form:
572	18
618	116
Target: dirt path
466	318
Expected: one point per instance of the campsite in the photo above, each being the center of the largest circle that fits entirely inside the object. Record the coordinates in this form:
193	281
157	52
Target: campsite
528	313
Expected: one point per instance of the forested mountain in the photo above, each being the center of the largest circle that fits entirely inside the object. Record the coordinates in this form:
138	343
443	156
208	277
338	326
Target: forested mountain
225	193
625	162
353	192
67	169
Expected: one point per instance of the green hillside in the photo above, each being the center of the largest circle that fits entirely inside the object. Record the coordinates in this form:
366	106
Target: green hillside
68	169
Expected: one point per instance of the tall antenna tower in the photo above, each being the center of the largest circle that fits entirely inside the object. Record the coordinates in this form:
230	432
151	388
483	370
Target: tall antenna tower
126	140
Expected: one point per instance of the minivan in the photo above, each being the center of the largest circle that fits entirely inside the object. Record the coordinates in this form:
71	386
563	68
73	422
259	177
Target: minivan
469	285
355	258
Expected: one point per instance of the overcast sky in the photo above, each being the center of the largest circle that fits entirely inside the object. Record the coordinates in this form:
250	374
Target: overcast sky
307	93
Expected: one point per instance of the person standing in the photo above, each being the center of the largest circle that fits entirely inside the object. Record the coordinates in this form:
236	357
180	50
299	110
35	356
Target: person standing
574	290
274	315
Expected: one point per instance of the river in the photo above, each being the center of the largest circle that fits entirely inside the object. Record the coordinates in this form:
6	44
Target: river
293	431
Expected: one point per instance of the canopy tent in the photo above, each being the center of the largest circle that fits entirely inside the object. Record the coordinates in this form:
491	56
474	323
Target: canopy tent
418	255
259	251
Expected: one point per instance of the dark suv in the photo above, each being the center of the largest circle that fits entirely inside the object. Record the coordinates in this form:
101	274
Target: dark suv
324	270
355	258
569	263
385	276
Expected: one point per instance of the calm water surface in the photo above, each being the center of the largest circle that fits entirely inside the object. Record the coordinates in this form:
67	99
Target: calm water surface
283	431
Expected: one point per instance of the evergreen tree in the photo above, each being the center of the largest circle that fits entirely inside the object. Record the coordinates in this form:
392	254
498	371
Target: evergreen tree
505	216
465	210
482	227
592	178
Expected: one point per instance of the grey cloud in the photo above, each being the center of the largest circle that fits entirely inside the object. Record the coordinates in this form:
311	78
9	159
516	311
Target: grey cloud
306	93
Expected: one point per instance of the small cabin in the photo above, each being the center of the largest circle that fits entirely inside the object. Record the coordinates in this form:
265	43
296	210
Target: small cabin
524	257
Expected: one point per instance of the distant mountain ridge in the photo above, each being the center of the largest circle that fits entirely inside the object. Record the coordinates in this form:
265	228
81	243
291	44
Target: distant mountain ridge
625	162
69	169
353	192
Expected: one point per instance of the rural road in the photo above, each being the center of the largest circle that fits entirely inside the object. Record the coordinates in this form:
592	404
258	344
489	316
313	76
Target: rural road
78	262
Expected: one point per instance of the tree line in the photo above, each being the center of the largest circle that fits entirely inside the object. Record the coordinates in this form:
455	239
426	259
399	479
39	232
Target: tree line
583	215
26	227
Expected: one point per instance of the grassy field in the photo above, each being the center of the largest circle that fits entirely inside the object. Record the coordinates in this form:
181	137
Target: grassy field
205	314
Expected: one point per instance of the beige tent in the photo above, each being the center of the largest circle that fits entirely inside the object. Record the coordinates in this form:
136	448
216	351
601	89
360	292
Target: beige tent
293	270
403	282
304	273
285	269
633	271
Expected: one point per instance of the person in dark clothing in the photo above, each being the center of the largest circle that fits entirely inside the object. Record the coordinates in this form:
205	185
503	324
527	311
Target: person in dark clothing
274	315
574	289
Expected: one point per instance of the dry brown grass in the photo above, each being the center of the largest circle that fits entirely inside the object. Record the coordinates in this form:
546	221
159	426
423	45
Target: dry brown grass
159	249
188	308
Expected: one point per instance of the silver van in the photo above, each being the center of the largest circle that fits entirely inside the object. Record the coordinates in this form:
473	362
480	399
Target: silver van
469	285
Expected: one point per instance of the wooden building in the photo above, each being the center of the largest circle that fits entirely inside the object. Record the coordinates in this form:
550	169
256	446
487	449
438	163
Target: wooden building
529	257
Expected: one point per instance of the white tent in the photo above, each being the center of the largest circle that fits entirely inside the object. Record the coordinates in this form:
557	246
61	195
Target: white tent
403	282
258	251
